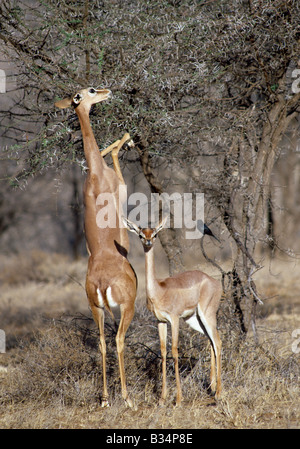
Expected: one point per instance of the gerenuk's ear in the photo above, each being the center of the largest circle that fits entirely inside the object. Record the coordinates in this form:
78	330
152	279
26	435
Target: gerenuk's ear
132	227
65	103
160	226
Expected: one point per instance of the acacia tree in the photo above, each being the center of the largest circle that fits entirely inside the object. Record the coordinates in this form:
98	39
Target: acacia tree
201	86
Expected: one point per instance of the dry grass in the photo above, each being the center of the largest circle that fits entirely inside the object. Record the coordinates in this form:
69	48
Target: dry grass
51	372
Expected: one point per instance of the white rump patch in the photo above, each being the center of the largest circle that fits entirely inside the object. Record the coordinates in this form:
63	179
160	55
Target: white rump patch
115	307
100	299
110	299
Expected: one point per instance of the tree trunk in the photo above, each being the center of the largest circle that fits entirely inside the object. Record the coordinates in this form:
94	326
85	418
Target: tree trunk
247	229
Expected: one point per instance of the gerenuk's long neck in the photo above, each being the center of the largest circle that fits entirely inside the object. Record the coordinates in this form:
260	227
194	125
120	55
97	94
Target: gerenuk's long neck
99	239
93	158
151	282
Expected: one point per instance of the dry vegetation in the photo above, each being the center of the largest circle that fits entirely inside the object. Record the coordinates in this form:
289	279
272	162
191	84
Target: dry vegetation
51	373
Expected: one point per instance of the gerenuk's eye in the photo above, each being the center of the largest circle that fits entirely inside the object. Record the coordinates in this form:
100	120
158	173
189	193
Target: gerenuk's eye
77	98
92	91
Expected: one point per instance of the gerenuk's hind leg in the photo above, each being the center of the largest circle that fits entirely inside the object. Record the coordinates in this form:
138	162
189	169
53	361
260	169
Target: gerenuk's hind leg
126	318
98	314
